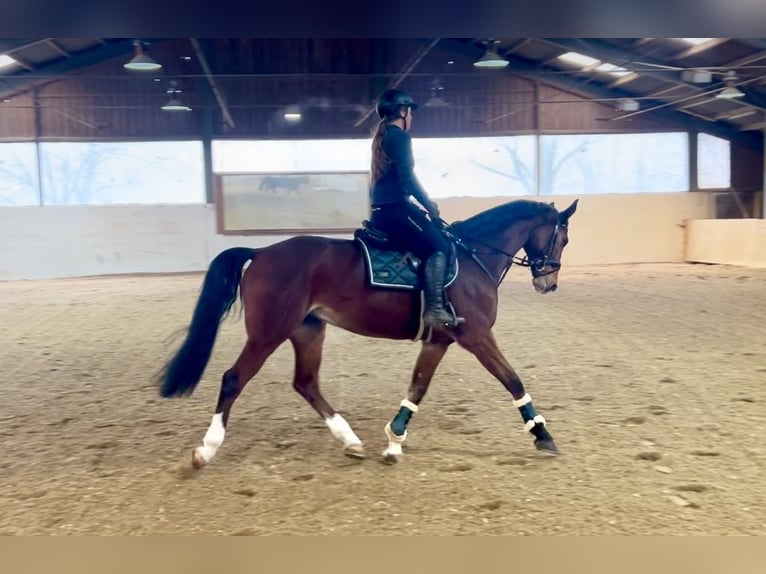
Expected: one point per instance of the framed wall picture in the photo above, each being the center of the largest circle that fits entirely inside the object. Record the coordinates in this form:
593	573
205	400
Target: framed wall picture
278	203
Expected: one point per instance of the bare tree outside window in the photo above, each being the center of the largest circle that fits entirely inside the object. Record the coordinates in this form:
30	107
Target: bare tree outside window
18	174
78	173
477	167
517	168
614	163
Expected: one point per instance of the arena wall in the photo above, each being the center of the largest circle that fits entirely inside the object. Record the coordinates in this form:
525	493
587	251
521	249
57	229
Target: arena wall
726	241
70	241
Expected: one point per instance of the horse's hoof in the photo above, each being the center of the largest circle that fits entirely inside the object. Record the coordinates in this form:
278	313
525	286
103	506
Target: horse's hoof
197	460
547	446
391	458
355	451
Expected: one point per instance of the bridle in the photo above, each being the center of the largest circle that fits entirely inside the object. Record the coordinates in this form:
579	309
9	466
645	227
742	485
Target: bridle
536	264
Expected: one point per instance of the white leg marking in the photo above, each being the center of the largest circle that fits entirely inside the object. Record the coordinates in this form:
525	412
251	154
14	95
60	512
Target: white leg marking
341	430
213	438
394	447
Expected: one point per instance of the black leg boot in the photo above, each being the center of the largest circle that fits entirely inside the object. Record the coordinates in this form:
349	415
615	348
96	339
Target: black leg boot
436	315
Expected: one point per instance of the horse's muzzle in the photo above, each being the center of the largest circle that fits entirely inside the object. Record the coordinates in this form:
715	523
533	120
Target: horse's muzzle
542	285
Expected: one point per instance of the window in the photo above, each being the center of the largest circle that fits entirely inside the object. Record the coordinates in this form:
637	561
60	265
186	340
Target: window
19	184
614	163
713	162
287	156
447	167
476	167
77	173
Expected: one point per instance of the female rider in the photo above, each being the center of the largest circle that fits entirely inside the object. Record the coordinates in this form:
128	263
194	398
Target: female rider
393	184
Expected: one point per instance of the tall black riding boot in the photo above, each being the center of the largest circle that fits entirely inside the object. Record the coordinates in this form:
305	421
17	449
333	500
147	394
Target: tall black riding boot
436	315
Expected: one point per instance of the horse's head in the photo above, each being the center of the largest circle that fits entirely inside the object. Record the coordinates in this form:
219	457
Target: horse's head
544	248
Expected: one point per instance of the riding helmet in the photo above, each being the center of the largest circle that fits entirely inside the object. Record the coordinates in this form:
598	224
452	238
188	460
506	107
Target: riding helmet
391	100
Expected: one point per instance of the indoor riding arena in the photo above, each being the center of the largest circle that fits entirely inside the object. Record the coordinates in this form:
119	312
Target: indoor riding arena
127	165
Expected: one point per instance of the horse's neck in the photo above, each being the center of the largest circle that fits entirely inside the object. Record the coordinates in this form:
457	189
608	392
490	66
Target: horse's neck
511	240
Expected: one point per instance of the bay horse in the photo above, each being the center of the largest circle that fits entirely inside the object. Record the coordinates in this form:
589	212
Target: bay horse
293	288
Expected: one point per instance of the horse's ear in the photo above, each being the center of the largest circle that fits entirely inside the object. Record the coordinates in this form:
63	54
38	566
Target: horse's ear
568	212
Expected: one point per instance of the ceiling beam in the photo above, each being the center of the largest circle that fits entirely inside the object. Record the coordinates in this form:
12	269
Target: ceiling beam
626	79
14	84
703	102
700	116
10	44
211	82
692	97
21	62
596	48
409	66
663	92
745	60
734	114
511	47
52	43
756	126
587	89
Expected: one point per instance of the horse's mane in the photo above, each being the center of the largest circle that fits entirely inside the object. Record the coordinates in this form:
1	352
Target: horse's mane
498	218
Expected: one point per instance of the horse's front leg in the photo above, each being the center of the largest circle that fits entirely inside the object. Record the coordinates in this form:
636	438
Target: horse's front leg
484	348
429	358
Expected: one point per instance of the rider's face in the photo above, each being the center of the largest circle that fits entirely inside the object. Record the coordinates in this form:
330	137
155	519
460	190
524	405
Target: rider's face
408	119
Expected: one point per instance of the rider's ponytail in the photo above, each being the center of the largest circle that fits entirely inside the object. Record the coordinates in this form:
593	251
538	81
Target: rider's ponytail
379	158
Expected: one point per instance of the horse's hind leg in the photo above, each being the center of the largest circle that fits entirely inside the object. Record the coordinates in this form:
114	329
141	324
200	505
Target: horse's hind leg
307	341
248	363
484	347
429	358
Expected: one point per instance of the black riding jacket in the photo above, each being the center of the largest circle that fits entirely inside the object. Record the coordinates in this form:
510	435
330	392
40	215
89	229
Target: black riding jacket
398	180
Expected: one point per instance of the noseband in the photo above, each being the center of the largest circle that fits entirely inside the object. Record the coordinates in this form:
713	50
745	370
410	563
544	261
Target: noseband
538	264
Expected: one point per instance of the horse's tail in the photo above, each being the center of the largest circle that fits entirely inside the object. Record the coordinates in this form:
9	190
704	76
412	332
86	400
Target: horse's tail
219	292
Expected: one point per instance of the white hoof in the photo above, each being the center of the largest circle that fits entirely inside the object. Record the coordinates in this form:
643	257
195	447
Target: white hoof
392	456
354	451
201	456
393	452
197	460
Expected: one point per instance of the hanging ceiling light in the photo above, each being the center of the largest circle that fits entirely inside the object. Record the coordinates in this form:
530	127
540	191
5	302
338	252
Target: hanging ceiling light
292	114
730	91
174	104
491	59
142	62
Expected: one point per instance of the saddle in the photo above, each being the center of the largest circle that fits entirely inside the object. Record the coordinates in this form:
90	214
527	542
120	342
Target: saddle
389	266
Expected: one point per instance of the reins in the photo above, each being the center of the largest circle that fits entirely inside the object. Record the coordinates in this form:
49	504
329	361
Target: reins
536	265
